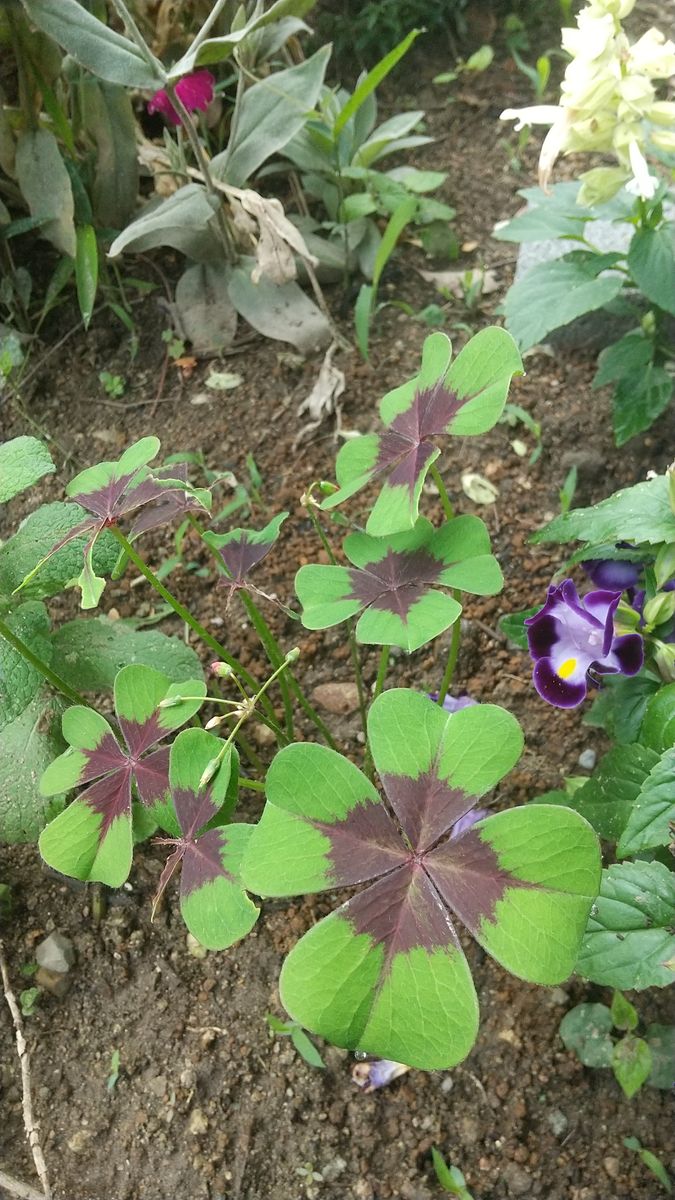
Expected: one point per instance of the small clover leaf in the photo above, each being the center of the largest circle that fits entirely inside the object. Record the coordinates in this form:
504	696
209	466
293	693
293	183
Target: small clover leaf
386	973
92	839
213	903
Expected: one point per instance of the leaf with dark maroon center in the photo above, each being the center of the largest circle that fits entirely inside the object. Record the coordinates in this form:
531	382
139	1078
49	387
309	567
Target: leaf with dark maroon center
385	973
395	582
213	903
92	838
463	398
111	490
241	550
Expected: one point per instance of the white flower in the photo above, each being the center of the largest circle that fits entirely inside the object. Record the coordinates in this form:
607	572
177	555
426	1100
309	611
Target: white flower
537	114
652	55
642	184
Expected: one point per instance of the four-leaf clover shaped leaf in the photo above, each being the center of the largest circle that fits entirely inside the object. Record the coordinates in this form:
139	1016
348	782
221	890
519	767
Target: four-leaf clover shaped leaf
463	397
111	490
394	580
92	838
213	903
386	973
241	550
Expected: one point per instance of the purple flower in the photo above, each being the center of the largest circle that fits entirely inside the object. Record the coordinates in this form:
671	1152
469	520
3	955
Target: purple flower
195	91
616	575
453	704
569	638
377	1074
475	814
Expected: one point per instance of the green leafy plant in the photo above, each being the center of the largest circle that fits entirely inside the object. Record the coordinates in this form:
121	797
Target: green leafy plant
451	1179
635	279
385	973
304	1045
586	1029
113	385
651	1161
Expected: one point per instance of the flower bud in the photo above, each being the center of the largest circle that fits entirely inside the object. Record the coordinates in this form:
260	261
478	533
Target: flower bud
293	655
660	608
221	669
208	773
171	702
664	658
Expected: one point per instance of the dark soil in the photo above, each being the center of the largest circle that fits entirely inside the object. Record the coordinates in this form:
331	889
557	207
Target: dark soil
208	1105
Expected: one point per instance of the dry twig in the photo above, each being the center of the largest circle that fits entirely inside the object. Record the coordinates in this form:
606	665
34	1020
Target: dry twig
29	1122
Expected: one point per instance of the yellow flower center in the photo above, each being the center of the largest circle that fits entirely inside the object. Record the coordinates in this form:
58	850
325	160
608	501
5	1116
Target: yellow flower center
565	669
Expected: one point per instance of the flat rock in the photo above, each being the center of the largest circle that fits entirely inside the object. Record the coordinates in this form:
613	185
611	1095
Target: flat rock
337	698
56	982
517	1180
56	953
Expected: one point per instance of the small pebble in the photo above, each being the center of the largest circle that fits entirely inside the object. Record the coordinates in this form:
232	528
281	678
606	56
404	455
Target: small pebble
587	759
612	1166
55	953
198	1122
517	1180
557	1121
338	698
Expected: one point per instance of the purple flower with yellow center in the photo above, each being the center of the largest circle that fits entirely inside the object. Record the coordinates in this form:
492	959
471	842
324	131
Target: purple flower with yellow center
195	91
573	639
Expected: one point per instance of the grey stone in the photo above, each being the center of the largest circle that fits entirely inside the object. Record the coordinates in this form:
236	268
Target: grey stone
56	953
338	698
56	982
557	1121
517	1180
587	759
333	1169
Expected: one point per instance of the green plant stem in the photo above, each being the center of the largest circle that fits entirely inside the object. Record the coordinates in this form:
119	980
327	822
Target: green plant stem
55	680
453	655
136	35
289	679
274	654
253	784
358	675
213	767
181	611
224	232
320	532
207	26
442	491
382	670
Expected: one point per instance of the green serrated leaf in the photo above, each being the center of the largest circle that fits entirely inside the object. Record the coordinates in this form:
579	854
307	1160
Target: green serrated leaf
19	681
653	813
23	461
629	943
607	799
34	539
89	653
651	261
554	293
637	514
27	746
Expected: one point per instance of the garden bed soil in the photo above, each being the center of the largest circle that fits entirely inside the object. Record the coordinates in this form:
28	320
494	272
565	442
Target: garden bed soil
208	1104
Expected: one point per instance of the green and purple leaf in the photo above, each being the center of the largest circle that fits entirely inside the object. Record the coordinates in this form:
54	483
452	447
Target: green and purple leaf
394	580
462	398
111	490
213	903
92	838
386	973
241	550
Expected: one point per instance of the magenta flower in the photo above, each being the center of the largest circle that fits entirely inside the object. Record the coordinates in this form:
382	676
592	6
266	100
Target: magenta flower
572	639
195	91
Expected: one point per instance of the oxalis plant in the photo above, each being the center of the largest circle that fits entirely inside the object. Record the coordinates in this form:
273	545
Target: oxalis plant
385	973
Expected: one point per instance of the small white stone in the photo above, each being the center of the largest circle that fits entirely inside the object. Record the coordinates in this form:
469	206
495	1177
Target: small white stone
587	759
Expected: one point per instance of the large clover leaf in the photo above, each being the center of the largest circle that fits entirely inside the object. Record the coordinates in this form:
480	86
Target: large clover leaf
92	838
213	903
464	398
385	973
394	582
